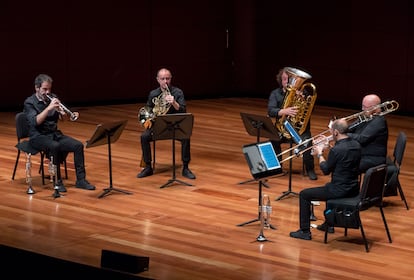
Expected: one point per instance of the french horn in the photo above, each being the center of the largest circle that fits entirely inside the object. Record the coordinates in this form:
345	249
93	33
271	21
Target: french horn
147	114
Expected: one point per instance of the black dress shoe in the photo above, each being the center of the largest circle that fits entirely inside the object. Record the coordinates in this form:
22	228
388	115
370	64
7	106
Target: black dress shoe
306	235
60	186
312	175
188	174
323	227
147	171
84	184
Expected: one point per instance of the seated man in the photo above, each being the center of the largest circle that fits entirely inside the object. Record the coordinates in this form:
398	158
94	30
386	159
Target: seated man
343	165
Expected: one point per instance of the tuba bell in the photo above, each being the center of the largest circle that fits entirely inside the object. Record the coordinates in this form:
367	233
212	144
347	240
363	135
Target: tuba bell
304	102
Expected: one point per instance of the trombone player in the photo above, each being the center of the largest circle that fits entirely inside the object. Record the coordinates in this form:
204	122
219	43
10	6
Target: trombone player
342	163
43	111
275	110
371	134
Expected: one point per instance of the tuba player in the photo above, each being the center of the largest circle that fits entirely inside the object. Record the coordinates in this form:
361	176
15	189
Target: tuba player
275	110
175	103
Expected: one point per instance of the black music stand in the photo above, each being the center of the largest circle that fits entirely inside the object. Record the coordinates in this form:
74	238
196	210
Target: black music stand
260	126
295	137
106	134
259	162
175	127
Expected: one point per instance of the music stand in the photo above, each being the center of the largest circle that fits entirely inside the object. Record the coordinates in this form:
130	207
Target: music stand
260	126
298	140
106	134
263	162
175	127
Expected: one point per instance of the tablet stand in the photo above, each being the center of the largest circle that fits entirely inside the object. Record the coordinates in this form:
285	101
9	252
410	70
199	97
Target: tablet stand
106	134
259	126
174	127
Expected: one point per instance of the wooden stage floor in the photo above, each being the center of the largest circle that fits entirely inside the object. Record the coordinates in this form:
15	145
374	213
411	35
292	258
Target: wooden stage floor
191	232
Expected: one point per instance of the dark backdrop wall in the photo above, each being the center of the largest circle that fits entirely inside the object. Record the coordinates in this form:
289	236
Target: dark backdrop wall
109	51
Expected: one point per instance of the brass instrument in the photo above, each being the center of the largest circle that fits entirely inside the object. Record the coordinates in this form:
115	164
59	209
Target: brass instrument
30	189
324	138
161	106
73	115
294	98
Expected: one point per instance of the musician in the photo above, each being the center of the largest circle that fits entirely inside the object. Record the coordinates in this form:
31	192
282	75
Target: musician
274	109
342	163
178	105
371	134
43	114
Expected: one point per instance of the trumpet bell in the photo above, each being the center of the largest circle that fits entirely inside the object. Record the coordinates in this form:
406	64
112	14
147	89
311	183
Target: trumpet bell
74	116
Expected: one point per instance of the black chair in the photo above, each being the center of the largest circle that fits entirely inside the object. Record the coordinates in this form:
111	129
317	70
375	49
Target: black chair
23	145
394	165
345	212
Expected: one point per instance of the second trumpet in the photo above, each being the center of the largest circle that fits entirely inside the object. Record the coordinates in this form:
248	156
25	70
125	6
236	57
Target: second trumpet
73	116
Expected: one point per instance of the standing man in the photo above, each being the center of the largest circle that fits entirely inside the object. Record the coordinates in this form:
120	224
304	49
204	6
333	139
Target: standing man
343	165
172	98
275	110
43	111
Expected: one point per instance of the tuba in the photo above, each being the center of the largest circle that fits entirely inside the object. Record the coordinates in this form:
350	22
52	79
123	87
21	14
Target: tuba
304	102
147	114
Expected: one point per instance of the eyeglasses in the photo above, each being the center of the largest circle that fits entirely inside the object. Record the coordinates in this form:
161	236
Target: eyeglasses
164	78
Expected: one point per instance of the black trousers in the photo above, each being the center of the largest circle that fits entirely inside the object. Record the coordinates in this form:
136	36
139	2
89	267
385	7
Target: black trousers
58	146
147	137
308	195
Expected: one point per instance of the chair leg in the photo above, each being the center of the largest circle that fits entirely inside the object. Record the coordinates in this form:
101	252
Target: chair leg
385	224
364	237
42	168
153	153
402	195
15	165
66	169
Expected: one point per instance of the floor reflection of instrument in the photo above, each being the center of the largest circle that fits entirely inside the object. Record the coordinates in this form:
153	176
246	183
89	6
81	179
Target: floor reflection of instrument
354	120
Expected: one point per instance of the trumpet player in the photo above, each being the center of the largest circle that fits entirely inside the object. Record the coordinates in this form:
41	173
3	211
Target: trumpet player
342	163
43	113
176	104
275	110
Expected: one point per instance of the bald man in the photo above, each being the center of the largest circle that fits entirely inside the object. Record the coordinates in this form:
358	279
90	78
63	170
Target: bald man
371	134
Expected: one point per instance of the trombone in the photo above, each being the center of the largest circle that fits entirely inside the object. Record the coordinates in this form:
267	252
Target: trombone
323	138
73	115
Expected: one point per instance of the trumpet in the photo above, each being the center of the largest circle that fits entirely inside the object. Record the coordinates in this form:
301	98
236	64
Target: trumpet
73	115
323	138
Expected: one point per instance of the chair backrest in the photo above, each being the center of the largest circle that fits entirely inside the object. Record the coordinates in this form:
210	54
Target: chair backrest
399	148
372	189
22	126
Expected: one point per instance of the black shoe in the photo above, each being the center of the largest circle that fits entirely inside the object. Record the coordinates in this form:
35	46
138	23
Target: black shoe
187	173
323	226
312	175
83	184
60	186
306	235
147	171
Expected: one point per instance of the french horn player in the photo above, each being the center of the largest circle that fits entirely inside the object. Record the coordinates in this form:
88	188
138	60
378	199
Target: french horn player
293	101
166	99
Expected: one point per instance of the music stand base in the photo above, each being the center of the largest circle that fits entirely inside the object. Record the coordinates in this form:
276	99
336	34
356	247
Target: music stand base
169	182
255	220
108	190
285	194
253	180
